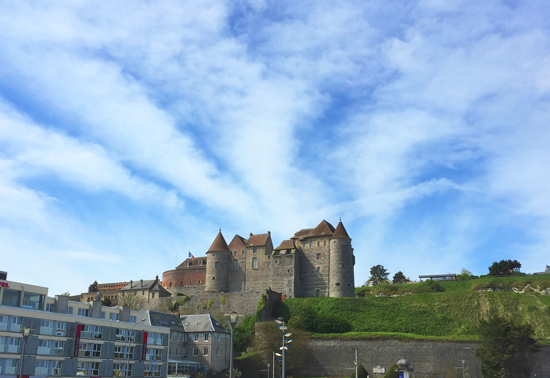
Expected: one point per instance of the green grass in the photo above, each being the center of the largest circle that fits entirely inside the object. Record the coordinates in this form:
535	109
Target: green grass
449	315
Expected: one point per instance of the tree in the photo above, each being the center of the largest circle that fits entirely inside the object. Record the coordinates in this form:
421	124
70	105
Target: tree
506	349
130	300
378	275
236	373
399	278
106	301
66	294
504	268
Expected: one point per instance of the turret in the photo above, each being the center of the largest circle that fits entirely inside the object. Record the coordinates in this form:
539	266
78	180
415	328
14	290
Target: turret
342	282
217	266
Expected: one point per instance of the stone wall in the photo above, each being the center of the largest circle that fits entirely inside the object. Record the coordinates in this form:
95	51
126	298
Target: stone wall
311	278
335	358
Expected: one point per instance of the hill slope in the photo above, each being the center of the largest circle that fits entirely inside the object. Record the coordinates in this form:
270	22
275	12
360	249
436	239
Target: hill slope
453	313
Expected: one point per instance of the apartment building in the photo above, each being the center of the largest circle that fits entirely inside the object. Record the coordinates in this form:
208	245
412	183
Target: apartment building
73	339
207	342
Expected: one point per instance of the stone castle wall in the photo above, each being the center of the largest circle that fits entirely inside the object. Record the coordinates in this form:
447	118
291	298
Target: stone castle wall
335	358
316	254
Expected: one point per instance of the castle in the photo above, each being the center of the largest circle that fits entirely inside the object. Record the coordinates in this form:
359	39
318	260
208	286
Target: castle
315	262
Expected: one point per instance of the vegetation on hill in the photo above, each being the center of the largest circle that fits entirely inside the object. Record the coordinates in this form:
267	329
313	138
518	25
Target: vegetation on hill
450	310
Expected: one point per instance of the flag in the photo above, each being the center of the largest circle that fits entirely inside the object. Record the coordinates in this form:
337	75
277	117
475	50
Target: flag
191	256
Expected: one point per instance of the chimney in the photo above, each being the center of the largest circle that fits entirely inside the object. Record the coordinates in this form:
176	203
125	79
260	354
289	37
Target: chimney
251	234
140	283
131	284
269	232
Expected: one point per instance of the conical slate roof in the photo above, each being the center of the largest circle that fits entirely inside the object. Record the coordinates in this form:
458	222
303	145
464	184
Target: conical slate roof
219	244
340	232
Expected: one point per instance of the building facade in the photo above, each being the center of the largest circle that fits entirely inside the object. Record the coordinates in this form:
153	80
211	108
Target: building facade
73	339
314	262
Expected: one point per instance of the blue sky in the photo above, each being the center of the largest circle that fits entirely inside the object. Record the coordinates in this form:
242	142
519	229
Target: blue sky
131	131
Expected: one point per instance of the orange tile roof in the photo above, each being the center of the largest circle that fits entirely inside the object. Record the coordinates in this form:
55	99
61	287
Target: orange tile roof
303	232
286	244
258	240
219	244
237	243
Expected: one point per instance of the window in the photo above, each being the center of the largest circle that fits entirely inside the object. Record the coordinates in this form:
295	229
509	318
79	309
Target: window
4	320
242	252
199	282
234	253
255	263
60	328
218	337
113	316
195	337
206	337
153	354
318	256
318	243
254	249
154	338
47	368
318	269
46	327
235	264
102	316
217	264
15	322
13	344
325	243
82	312
195	351
310	244
151	371
125	335
121	370
50	347
11	298
133	319
190	283
268	264
152	295
217	351
124	352
10	366
205	351
87	368
49	307
89	350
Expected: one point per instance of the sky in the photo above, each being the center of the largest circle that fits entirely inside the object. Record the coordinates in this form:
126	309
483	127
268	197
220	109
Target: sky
132	131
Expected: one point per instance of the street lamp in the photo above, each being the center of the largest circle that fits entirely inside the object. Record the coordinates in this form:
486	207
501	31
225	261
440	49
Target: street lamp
284	348
128	348
233	322
26	332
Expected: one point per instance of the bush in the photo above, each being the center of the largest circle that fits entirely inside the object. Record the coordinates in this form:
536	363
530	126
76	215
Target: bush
243	333
331	324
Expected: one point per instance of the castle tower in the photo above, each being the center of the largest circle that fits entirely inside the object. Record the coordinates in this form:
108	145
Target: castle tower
217	266
342	282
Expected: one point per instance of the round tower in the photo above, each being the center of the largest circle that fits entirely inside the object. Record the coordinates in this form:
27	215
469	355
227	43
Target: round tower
217	266
341	279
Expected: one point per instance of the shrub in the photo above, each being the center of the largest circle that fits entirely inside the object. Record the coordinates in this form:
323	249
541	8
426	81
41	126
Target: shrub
331	324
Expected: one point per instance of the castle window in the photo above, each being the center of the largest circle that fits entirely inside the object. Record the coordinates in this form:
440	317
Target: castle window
317	293
199	282
235	264
217	264
242	252
318	244
276	261
325	242
234	253
200	262
255	263
190	283
337	283
181	283
318	256
213	278
268	264
318	269
170	284
254	249
310	244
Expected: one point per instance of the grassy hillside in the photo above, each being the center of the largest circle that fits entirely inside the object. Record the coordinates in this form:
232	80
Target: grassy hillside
450	314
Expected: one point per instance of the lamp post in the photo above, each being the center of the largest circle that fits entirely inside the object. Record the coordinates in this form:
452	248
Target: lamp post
283	328
233	322
26	332
128	348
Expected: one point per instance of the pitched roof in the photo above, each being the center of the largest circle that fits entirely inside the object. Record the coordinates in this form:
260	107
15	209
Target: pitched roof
237	243
158	287
219	244
258	240
340	231
286	244
193	262
323	228
303	232
139	285
162	319
201	323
